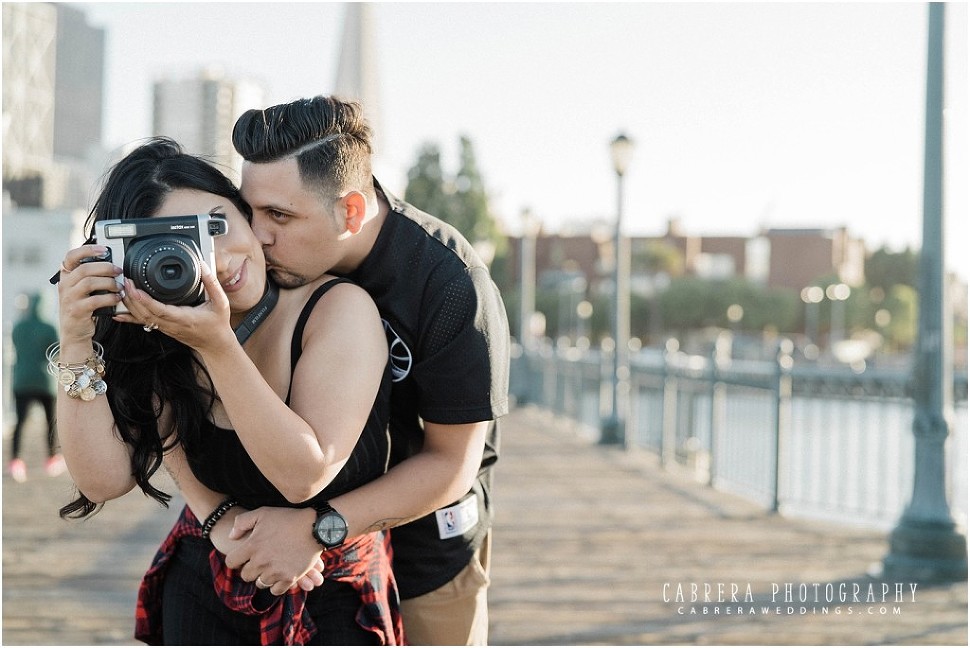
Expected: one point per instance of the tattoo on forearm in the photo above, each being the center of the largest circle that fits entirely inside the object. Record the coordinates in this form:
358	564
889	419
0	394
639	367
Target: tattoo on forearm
387	523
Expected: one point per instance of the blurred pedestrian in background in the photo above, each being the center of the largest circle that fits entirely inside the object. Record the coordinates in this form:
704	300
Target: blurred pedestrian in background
32	335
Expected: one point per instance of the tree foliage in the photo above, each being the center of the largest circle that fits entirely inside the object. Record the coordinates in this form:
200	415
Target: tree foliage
460	199
693	303
427	187
885	269
901	302
657	257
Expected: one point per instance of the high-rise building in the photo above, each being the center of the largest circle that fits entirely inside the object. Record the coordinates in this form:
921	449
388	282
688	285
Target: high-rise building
199	113
79	157
78	85
29	48
53	66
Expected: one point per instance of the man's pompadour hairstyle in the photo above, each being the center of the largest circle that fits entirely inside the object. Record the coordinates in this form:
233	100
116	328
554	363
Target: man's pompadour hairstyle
329	138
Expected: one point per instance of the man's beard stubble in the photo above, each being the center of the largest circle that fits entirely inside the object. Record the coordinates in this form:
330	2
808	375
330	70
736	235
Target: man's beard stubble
283	278
286	280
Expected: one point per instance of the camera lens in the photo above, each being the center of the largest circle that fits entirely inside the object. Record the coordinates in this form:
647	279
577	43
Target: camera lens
171	272
167	267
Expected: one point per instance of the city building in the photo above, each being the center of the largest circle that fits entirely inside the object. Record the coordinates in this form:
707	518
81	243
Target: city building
53	67
29	53
199	112
801	256
775	258
78	84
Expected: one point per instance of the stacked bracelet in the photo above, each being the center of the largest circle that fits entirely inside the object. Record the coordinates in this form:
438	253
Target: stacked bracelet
83	380
215	516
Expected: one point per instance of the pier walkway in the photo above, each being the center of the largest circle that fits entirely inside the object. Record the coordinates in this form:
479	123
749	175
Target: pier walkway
592	545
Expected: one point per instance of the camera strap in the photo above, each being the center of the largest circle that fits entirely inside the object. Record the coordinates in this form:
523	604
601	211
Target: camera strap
258	313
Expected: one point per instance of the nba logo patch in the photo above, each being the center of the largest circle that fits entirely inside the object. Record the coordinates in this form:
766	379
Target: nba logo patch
456	520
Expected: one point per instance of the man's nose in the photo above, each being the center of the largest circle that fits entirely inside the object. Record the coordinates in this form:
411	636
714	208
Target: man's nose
262	233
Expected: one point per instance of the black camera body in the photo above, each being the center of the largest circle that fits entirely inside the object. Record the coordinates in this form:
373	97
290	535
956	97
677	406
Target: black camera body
162	256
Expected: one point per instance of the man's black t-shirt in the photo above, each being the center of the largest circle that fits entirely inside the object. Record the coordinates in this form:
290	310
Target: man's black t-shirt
449	343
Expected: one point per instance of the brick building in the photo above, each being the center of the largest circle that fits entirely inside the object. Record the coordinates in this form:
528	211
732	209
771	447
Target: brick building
777	258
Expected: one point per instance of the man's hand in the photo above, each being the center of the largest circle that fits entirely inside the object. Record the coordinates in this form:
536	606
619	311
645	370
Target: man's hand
276	545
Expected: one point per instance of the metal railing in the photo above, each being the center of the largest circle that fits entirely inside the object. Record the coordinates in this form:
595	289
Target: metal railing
802	439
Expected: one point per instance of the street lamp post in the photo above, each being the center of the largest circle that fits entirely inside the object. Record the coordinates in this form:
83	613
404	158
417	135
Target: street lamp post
926	545
621	149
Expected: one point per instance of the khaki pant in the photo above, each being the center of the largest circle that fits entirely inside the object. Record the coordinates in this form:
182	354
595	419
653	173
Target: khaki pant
455	614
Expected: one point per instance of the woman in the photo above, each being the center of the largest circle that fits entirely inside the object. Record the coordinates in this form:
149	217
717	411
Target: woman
295	416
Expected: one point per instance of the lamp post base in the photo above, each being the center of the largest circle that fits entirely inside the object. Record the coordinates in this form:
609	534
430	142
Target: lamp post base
611	431
925	552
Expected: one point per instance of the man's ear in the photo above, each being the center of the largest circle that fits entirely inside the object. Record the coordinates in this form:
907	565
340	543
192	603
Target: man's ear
354	207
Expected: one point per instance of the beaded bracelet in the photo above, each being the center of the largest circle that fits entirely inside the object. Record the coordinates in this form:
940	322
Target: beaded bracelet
215	516
84	380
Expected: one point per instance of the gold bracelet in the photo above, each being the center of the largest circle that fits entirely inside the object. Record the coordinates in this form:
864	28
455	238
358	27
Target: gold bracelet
79	380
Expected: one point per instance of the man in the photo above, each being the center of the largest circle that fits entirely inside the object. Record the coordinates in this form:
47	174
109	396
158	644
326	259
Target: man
317	209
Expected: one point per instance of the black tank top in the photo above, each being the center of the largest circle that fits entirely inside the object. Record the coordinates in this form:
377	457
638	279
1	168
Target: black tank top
219	460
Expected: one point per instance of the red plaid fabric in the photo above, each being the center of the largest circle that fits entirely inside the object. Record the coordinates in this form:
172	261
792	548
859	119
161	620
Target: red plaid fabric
360	563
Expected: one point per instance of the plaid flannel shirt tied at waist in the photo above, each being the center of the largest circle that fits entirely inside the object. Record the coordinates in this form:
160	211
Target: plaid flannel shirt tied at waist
286	620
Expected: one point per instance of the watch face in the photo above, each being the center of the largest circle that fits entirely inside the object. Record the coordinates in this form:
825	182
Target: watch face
331	528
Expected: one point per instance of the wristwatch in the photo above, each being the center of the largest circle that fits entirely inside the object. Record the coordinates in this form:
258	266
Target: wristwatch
330	528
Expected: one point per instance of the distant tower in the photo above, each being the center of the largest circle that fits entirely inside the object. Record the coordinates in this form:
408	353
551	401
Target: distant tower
357	77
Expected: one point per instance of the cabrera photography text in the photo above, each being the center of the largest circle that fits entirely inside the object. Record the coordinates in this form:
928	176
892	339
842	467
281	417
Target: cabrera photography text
841	599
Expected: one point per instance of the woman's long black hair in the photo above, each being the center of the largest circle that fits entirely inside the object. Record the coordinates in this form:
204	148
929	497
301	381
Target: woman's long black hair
143	370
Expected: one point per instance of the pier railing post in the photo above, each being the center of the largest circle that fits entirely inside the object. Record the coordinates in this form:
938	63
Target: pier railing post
668	430
720	357
782	417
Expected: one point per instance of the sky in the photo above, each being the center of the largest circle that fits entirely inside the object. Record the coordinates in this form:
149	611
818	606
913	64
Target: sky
744	115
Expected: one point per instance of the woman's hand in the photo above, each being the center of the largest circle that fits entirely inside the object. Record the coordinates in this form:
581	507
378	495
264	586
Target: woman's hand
275	545
312	578
201	327
278	577
85	286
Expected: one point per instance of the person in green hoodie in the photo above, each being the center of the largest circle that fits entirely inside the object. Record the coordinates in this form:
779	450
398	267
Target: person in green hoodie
32	336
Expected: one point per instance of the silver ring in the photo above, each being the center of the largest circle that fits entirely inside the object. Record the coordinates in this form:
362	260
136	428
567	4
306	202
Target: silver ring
150	327
260	584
